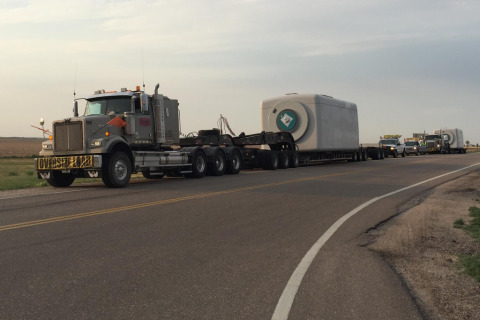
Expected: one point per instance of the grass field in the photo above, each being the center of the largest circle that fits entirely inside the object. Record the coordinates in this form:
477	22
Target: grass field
18	173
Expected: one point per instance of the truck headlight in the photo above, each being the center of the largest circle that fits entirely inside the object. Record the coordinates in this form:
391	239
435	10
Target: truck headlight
95	143
414	148
392	148
47	146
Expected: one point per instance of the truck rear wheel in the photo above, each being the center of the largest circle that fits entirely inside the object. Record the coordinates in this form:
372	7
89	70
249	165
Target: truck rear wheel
217	166
283	160
234	165
199	165
118	170
60	180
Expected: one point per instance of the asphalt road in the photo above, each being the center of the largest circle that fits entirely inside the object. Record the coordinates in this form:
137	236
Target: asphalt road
213	248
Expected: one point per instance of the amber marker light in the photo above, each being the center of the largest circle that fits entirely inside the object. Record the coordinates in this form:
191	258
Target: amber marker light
50	137
107	133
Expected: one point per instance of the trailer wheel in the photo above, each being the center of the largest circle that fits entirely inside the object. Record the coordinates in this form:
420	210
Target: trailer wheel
364	155
217	166
294	161
270	160
283	160
60	180
234	165
117	170
199	165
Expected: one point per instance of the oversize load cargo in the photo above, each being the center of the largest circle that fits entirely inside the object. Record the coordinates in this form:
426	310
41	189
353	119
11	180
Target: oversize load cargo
317	122
453	136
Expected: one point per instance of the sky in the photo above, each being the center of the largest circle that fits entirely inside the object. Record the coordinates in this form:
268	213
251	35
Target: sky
409	65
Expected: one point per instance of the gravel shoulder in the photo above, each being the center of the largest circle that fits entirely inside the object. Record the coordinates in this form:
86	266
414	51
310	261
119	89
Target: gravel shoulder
422	245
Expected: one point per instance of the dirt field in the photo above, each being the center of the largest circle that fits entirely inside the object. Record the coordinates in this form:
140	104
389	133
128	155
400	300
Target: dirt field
20	147
422	246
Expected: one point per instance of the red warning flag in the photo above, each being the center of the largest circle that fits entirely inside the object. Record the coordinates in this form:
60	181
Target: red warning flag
117	122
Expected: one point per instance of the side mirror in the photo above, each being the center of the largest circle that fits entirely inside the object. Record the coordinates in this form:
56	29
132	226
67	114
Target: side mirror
75	109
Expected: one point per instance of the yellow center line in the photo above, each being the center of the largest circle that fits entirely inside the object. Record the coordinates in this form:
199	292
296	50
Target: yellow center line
162	202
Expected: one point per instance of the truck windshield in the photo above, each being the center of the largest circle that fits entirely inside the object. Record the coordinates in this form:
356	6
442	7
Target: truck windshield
388	141
411	143
432	137
105	106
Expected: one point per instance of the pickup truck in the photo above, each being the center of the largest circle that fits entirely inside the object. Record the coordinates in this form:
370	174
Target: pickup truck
393	147
414	147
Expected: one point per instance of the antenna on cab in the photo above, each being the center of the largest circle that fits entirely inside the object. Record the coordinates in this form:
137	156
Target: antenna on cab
143	73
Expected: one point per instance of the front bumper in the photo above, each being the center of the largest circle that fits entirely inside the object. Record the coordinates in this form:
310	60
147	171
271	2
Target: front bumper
66	163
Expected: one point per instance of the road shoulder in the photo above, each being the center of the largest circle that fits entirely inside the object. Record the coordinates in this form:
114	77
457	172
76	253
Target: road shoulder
423	247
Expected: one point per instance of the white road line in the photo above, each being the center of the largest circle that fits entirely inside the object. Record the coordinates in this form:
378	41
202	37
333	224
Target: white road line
286	299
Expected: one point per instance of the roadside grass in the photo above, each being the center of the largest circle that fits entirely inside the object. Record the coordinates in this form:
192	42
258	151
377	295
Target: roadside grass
470	264
19	173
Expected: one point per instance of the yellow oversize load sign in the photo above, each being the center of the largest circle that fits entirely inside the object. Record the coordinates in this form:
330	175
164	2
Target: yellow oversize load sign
64	163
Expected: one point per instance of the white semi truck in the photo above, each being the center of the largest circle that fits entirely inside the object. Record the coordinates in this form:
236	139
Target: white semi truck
324	128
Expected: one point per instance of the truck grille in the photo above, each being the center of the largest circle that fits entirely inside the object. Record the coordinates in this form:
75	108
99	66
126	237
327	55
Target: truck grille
431	144
68	136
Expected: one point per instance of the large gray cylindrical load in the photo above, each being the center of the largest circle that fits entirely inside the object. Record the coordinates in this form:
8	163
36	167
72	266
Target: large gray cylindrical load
454	137
317	122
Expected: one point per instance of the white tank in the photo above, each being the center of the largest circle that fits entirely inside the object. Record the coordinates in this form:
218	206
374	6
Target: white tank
317	122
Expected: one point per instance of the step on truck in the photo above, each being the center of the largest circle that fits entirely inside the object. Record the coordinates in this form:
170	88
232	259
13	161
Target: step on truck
325	129
127	132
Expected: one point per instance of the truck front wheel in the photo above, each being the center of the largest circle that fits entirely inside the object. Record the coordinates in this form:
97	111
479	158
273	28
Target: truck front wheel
117	172
60	180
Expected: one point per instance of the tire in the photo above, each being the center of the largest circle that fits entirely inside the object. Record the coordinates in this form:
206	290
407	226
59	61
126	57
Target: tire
234	165
404	153
149	175
218	165
60	180
382	154
283	160
364	155
294	161
270	160
395	154
117	171
199	165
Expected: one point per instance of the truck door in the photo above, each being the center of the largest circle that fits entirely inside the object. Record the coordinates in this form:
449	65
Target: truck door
143	120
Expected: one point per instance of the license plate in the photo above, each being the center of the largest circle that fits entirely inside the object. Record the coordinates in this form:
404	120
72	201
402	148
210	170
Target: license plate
64	163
